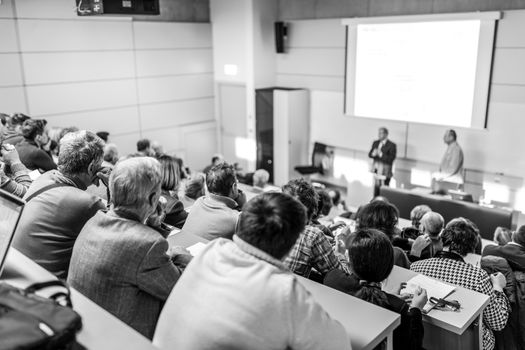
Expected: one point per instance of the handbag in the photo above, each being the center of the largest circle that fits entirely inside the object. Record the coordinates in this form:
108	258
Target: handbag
29	321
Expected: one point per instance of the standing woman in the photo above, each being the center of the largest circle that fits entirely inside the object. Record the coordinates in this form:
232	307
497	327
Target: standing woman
173	207
371	261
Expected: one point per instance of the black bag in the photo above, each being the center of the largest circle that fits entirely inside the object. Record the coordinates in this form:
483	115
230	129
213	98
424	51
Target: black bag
28	321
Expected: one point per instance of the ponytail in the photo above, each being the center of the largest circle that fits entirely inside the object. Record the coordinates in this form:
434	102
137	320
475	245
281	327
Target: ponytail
371	292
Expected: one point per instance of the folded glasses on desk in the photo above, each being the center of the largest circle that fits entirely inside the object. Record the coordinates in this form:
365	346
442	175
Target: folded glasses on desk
445	305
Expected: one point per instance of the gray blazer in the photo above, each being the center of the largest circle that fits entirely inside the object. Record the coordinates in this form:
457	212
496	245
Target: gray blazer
122	265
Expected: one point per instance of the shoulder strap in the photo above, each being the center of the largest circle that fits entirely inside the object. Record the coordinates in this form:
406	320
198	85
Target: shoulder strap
44	189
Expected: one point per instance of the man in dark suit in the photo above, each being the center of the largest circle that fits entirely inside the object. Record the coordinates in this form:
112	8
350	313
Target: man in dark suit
383	152
513	252
119	262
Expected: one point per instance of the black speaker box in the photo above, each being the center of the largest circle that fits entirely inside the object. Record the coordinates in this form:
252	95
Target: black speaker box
281	32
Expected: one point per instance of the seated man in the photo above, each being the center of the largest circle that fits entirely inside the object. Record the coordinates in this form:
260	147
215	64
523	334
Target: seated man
260	180
215	215
239	295
513	251
120	263
429	243
312	249
58	205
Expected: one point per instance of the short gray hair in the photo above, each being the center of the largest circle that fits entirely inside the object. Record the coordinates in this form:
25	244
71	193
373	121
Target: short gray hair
433	223
111	153
132	181
77	150
260	177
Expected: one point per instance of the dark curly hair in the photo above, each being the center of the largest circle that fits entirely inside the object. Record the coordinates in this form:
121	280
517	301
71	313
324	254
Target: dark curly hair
380	215
220	179
461	236
305	193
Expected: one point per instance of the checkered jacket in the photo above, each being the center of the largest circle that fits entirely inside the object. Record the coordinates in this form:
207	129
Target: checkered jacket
468	276
313	250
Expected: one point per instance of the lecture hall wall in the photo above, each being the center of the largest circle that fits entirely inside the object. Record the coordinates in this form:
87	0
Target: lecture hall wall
315	59
142	77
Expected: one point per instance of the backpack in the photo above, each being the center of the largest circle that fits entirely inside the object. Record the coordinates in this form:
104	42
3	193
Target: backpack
29	321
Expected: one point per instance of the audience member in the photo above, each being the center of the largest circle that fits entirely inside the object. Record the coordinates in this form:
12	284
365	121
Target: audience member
110	157
117	261
429	243
30	150
460	238
193	190
14	176
417	213
57	206
157	148
371	261
502	235
215	160
260	180
239	295
144	148
383	216
173	207
312	250
215	215
513	251
12	132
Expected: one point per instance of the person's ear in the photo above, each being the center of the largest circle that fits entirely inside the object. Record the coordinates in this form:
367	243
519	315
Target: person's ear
152	199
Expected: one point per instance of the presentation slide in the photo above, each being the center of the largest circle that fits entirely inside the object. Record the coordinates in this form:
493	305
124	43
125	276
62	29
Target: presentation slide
425	71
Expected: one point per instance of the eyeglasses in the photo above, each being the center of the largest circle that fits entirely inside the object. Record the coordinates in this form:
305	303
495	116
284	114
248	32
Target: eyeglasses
442	304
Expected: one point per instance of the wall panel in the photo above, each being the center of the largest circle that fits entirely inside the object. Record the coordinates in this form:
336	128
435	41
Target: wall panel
8	35
10	70
177	113
174	88
12	100
174	62
150	35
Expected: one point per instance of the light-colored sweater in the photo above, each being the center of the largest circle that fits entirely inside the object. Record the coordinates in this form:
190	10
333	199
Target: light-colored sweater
234	296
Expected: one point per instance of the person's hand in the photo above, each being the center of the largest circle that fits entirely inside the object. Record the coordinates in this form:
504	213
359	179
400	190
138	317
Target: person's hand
498	281
180	256
375	152
103	175
156	219
420	298
240	199
419	244
340	246
406	297
10	154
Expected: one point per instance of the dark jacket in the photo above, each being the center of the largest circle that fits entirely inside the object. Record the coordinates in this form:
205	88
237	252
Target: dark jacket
409	335
33	157
383	165
175	213
513	253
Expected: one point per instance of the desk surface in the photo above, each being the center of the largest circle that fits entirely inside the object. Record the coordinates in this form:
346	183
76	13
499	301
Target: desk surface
100	330
472	303
366	324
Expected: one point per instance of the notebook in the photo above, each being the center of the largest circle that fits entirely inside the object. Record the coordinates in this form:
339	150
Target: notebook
10	210
434	288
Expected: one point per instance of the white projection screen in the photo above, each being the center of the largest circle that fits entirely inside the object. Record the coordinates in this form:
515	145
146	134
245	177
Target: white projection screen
432	69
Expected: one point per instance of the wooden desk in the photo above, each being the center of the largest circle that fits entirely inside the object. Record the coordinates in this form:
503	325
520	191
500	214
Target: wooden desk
367	325
100	330
447	329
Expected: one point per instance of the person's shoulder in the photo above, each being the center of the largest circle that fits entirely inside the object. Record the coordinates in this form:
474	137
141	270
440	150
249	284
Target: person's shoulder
491	249
340	280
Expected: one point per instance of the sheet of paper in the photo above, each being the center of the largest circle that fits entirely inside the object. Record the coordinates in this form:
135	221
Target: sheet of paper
433	287
35	174
196	249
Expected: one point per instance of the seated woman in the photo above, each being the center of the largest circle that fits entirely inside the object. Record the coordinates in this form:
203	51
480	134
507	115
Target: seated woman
459	238
371	261
31	150
193	189
383	216
173	207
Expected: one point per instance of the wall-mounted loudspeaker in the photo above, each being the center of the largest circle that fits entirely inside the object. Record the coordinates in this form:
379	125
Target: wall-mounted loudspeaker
281	33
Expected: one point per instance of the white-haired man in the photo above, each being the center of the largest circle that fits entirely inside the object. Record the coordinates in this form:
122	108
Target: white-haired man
58	205
118	261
